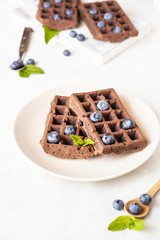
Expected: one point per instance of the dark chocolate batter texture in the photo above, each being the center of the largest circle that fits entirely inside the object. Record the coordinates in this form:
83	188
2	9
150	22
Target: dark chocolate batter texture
46	15
58	118
106	33
83	104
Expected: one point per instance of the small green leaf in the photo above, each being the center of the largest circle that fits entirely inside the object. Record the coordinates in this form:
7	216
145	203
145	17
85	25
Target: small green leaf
30	69
120	223
24	73
130	224
87	142
49	33
138	223
34	69
79	142
124	222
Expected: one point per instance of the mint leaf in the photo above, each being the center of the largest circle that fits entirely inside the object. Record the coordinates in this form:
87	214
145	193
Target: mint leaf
138	223
79	142
130	224
120	223
34	69
87	142
30	69
124	222
24	73
49	33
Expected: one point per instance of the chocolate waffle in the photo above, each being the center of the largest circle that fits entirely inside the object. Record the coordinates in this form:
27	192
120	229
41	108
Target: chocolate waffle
106	33
58	118
83	104
46	15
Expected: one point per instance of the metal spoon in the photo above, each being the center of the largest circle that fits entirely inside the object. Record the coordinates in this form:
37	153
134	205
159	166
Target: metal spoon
145	208
23	44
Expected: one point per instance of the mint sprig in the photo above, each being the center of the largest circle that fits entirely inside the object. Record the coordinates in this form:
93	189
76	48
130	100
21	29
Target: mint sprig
79	142
124	222
138	223
49	33
30	69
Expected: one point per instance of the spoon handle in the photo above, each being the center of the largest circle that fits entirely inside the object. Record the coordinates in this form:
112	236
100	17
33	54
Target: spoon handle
24	41
154	189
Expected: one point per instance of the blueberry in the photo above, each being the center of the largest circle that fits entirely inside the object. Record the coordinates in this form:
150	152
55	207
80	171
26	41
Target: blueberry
66	53
146	199
101	24
73	34
46	5
135	208
96	117
53	137
30	61
20	62
17	65
57	17
57	1
128	124
69	130
102	105
93	11
80	37
108	16
118	204
117	30
108	139
69	12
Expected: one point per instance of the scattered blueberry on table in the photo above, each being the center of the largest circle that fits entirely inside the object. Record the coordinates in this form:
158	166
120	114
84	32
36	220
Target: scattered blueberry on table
101	24
102	105
117	30
66	53
118	204
135	208
69	130
57	17
53	137
96	117
73	34
93	11
108	139
69	12
128	124
80	37
46	5
30	61
108	16
145	199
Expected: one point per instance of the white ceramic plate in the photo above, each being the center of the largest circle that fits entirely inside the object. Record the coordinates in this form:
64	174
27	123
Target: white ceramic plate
29	128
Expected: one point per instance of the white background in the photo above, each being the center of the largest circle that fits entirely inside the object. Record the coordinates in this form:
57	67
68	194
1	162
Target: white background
36	206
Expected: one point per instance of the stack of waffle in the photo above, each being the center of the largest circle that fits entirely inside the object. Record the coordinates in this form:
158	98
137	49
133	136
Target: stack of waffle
75	111
67	21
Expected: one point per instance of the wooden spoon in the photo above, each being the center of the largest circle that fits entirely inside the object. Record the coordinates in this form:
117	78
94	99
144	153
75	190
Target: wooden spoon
145	208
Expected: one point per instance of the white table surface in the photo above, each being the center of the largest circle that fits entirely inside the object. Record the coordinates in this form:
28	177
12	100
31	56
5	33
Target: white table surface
37	206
